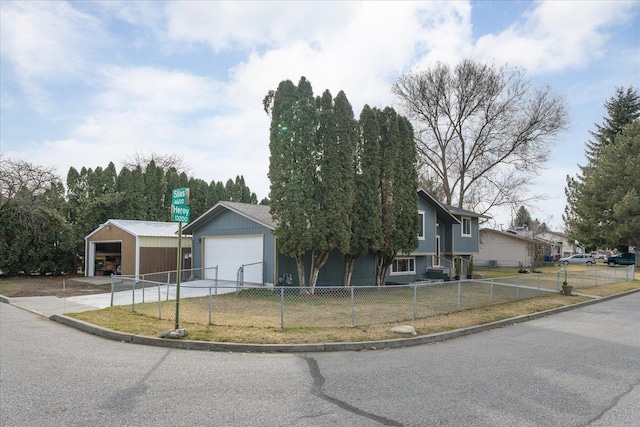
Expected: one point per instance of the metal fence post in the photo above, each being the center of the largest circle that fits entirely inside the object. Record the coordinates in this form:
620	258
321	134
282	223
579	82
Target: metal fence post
159	304
539	292
133	296
458	303
491	293
168	282
415	301
112	290
518	288
281	307
353	309
209	304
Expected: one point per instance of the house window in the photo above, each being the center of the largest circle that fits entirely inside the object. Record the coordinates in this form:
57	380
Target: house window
403	266
421	225
466	227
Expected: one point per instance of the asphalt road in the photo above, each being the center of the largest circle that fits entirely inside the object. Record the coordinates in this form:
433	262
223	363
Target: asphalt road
576	368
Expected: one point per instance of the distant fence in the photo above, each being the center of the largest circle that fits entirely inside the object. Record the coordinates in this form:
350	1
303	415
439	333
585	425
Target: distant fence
227	303
171	276
502	263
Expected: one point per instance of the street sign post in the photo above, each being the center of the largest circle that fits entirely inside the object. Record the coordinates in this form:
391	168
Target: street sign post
180	196
180	212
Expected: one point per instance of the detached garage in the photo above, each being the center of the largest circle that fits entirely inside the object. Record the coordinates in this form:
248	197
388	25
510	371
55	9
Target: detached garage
232	235
133	248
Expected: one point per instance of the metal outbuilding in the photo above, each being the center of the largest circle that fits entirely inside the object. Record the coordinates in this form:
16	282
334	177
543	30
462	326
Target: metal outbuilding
133	248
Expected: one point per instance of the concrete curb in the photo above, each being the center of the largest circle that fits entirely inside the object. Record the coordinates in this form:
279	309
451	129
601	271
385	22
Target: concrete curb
92	329
312	347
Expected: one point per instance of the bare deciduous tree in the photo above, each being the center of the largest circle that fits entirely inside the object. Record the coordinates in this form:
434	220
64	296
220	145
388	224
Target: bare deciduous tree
164	162
18	176
483	132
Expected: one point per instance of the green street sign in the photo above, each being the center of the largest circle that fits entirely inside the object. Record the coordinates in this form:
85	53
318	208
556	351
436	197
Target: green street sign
180	213
180	196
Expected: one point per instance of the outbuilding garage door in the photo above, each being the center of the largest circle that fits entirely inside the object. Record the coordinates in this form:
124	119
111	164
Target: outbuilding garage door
231	252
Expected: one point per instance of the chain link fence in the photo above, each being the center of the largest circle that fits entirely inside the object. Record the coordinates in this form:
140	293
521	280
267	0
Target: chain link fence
215	302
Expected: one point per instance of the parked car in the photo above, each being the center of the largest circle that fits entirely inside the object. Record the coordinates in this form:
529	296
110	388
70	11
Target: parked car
578	259
622	259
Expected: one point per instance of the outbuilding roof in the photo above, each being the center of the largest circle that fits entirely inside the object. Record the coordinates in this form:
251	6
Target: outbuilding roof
142	228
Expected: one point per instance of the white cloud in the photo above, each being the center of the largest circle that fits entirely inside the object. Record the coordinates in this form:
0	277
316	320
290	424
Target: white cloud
47	42
556	35
445	35
157	90
362	57
155	102
227	25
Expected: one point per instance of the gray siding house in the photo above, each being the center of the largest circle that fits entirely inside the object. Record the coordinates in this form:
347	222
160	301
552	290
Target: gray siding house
232	235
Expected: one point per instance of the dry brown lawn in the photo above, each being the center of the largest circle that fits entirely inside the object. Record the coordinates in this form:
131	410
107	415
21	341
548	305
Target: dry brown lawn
251	327
233	322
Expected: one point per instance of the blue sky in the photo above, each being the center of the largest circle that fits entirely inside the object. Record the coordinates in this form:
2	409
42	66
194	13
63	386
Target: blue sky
86	83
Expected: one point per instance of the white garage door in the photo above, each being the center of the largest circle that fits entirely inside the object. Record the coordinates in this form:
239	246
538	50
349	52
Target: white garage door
231	252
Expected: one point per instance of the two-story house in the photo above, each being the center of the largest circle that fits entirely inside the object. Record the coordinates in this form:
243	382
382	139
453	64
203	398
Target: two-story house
231	235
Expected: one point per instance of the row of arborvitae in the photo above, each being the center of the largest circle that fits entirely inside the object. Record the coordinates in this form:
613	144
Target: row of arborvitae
340	183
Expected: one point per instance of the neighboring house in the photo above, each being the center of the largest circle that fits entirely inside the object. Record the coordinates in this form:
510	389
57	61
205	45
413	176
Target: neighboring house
559	243
521	247
232	235
504	249
134	248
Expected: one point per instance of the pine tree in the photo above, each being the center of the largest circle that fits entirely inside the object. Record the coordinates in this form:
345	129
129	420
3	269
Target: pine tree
592	194
522	219
622	109
603	204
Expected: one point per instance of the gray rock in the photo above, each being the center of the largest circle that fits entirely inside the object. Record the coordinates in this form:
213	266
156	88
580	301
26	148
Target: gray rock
178	333
404	329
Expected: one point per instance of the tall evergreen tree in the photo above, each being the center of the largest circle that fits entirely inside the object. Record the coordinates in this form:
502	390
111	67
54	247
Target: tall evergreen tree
603	204
198	191
522	219
155	187
365	225
622	108
398	189
292	167
592	194
335	175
